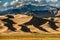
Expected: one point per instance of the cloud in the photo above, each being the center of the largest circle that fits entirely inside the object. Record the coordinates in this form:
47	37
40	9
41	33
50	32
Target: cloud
47	0
38	0
5	4
0	1
19	5
54	0
17	0
14	2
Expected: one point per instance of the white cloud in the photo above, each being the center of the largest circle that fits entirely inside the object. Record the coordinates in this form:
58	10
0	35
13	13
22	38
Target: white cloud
0	1
54	0
38	0
19	5
5	4
17	0
35	0
14	2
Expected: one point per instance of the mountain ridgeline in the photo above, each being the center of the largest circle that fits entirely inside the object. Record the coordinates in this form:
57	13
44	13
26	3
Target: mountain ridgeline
38	11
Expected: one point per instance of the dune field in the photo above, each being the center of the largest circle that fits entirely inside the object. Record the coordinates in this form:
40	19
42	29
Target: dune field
24	27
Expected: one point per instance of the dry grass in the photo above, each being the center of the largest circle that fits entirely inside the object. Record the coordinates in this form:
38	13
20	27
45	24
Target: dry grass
28	35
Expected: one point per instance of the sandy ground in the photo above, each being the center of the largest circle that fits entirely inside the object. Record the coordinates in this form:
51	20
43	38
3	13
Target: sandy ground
20	19
35	34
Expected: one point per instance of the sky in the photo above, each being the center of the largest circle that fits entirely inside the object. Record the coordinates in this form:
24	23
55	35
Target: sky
9	4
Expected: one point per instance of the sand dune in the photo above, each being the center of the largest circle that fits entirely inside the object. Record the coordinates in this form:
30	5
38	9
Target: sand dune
20	19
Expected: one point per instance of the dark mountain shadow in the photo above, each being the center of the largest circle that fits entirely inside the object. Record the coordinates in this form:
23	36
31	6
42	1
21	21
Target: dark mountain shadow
51	22
37	22
53	25
25	28
43	14
10	16
58	16
9	23
40	14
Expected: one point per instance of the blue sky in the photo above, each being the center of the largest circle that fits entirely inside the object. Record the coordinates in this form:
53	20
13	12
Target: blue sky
2	2
6	0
